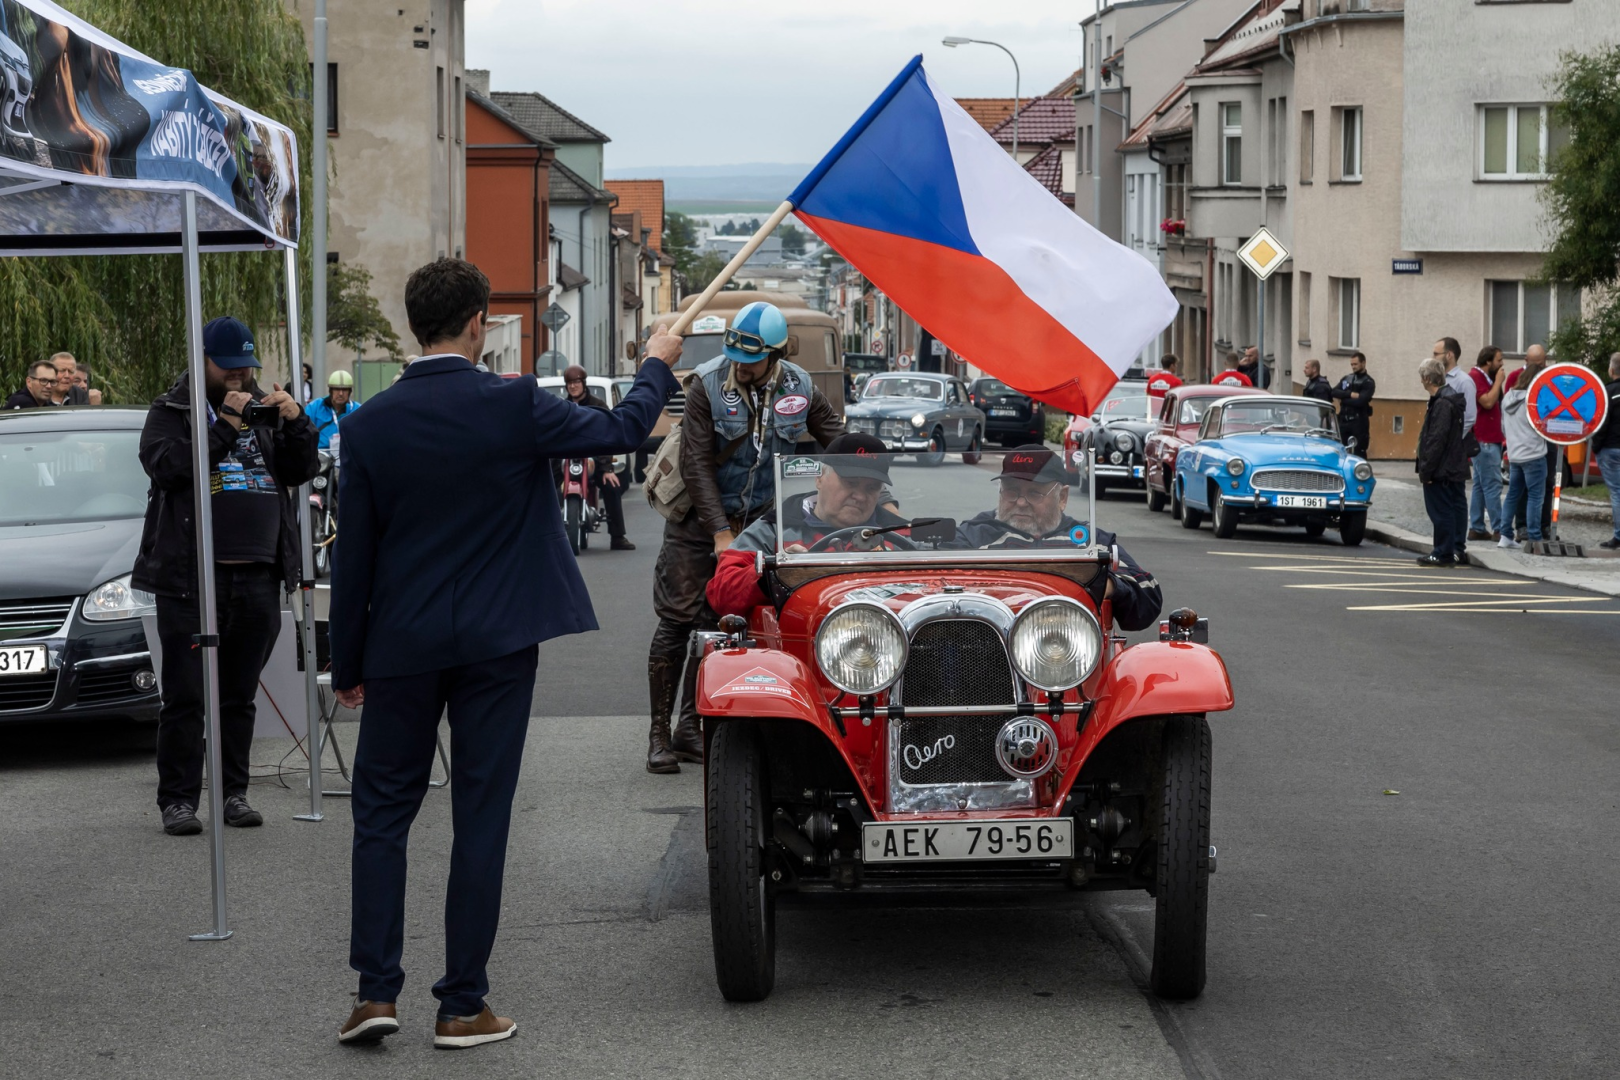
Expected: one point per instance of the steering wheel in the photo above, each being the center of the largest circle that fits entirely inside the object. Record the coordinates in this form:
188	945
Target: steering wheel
896	538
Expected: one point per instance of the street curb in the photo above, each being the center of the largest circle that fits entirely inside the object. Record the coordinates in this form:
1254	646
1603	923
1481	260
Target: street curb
1395	536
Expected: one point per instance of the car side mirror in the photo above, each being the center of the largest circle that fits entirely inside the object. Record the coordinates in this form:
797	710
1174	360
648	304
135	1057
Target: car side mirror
1351	444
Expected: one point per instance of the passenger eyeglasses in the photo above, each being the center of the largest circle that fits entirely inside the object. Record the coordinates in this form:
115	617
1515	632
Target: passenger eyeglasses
1025	491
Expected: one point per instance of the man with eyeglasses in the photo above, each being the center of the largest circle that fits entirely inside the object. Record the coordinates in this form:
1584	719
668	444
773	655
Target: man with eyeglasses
742	408
1030	513
36	391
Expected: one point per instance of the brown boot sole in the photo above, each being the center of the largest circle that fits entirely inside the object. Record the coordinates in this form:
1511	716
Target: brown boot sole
672	767
693	756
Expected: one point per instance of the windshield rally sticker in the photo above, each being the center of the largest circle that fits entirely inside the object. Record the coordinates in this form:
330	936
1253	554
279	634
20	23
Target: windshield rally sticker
801	466
759	681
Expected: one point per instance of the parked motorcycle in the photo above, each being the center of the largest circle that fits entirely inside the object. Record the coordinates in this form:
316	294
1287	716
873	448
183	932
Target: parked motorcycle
582	515
323	509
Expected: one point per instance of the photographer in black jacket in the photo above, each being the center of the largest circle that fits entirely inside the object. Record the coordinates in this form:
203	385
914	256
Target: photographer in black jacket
256	550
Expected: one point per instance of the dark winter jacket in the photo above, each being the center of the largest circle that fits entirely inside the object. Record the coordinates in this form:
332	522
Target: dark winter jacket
1363	385
1442	456
167	563
1318	388
24	399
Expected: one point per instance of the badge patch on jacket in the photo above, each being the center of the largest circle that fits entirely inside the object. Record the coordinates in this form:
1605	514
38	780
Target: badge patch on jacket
731	397
792	404
731	410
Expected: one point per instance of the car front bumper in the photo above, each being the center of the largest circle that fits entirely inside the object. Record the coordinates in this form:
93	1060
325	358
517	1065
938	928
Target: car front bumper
91	676
1265	503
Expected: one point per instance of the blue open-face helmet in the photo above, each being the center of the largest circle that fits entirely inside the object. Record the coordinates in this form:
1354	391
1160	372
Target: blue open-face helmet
756	330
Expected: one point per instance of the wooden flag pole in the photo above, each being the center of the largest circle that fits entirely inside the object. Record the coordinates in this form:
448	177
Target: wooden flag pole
684	323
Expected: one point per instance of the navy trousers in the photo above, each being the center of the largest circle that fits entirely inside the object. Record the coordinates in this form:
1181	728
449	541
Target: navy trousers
489	706
1442	500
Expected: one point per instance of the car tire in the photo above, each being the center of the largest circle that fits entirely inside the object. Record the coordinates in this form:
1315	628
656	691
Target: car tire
1181	871
1190	518
1352	527
1155	497
1313	529
742	909
1224	517
975	450
573	522
1175	502
935	454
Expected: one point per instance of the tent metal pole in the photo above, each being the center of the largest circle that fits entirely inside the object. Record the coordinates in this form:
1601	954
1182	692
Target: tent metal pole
202	500
318	171
306	527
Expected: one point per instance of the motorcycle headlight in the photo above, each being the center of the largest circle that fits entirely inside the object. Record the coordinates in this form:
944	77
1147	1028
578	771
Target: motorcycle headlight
919	420
1363	471
318	483
1124	441
116	600
1056	644
861	648
1236	466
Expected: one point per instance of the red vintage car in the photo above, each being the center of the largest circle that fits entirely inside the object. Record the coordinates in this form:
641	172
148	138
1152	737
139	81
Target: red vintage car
1177	426
909	712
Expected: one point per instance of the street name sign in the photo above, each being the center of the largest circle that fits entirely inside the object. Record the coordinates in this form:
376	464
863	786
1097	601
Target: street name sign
1406	266
1263	253
1567	403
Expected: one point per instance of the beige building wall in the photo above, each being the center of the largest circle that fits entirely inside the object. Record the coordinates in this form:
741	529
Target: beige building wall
398	190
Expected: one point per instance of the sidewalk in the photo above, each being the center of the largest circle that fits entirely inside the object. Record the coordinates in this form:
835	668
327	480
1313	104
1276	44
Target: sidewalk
1398	519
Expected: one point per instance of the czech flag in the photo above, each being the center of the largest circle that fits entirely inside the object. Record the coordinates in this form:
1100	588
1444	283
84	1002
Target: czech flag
920	199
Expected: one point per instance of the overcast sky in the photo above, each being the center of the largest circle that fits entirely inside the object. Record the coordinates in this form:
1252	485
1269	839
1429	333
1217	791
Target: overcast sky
708	82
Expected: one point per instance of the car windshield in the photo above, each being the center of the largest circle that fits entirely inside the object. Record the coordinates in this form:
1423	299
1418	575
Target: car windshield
1128	408
1278	417
899	386
1192	410
994	388
877	508
58	476
699	349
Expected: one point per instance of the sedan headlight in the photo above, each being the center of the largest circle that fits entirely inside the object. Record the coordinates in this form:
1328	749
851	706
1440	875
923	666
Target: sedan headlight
1124	441
318	483
1363	471
919	420
1056	644
861	648
1236	465
117	600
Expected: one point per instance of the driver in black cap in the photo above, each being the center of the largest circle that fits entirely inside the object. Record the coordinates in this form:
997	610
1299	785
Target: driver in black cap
853	477
1030	513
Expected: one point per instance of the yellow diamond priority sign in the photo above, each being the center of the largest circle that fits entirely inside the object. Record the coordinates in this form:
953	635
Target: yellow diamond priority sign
1263	253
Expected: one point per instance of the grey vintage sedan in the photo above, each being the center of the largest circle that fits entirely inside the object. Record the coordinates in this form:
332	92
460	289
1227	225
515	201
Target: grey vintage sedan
926	414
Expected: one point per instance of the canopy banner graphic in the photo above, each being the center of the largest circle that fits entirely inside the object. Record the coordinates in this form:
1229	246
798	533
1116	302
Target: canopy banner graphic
79	108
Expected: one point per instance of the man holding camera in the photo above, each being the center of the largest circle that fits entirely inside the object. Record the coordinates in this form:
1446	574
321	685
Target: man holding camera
259	446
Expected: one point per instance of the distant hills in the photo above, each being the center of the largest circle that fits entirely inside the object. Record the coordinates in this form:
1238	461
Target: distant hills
717	188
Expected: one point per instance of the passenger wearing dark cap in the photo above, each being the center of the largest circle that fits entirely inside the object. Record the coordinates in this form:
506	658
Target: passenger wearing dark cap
854	474
1031	512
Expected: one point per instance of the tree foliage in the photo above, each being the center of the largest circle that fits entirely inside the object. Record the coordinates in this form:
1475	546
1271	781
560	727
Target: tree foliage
793	240
680	241
1582	200
125	314
353	316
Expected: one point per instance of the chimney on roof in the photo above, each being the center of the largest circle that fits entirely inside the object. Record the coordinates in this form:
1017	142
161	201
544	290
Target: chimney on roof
478	79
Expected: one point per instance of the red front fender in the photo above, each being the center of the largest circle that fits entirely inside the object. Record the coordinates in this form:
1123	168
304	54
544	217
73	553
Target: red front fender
758	682
1162	677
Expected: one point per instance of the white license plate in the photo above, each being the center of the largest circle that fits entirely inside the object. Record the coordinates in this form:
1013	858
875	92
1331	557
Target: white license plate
1136	471
22	659
1003	412
1302	502
964	841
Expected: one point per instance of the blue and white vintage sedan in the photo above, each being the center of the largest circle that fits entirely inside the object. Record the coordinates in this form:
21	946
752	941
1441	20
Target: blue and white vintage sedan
1272	460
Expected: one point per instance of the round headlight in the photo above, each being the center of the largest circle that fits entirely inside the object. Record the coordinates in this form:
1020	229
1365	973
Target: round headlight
117	600
317	482
1056	644
1363	471
1235	466
861	648
919	420
1123	440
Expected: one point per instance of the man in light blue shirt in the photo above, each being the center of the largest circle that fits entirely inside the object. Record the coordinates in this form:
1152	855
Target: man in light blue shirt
325	412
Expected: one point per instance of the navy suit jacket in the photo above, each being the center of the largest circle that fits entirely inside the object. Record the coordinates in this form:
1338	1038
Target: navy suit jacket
451	547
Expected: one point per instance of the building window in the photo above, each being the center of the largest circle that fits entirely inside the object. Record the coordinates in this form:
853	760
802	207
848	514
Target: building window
1525	313
1175	184
331	96
1231	142
457	108
1279	168
1307	146
1347	295
1304	307
1350	145
1516	141
438	97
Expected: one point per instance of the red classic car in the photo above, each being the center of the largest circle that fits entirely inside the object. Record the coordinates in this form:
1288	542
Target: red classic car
941	705
1177	426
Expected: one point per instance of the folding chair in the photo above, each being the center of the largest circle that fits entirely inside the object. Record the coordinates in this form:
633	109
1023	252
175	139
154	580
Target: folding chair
323	689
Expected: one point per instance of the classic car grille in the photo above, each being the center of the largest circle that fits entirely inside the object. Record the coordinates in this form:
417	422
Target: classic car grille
97	687
19	692
1298	480
958	662
958	749
676	405
33	618
861	426
894	429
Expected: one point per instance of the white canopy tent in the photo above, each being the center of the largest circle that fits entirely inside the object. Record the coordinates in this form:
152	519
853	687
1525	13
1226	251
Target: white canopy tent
105	151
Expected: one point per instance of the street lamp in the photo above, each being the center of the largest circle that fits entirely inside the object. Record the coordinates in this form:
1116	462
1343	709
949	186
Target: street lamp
953	42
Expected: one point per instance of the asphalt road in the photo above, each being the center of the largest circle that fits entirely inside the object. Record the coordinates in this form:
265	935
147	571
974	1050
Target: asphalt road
1462	927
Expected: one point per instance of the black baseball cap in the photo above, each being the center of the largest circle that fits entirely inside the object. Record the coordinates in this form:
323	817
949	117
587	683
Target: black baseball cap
860	455
1032	462
229	343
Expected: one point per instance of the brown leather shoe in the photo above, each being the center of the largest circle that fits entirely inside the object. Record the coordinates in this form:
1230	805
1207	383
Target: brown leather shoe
460	1032
619	543
660	758
687	742
369	1022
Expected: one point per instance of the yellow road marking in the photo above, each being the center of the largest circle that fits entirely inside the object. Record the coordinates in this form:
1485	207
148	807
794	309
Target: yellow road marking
1396	587
1293	557
1436	604
1389	572
1443	609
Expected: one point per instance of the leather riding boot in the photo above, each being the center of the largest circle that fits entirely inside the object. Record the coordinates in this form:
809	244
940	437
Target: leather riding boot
687	742
660	759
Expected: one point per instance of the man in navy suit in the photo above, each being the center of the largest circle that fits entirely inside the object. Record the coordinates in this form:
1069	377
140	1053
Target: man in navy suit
452	565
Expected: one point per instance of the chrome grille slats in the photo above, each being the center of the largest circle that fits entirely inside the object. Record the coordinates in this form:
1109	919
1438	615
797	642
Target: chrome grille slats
676	405
34	618
1297	480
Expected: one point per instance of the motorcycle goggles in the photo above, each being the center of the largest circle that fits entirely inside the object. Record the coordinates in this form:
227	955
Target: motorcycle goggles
752	344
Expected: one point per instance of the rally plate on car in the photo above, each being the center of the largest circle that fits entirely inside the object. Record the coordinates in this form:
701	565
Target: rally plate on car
967	841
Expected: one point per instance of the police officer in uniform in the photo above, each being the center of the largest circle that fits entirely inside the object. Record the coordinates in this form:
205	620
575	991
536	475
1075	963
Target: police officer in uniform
742	408
1354	395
